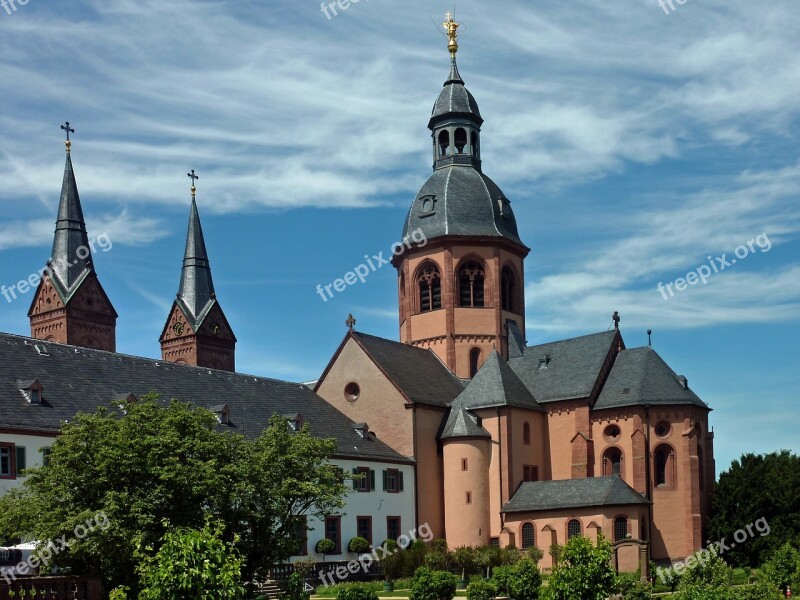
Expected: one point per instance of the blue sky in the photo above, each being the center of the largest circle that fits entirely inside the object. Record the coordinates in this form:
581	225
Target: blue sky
632	143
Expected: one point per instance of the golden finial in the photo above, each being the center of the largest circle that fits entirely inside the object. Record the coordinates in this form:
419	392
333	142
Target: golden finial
68	130
194	177
452	33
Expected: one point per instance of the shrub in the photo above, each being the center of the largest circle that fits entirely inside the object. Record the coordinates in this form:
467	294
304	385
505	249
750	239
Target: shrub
584	571
481	590
510	555
359	545
763	590
392	563
356	592
524	580
535	554
783	567
325	546
631	587
433	585
414	558
501	577
295	588
464	557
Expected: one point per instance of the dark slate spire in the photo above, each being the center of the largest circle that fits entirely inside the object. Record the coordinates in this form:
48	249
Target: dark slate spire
455	76
196	293
71	258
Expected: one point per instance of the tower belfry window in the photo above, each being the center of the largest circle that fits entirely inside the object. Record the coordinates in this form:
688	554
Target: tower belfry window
474	144
508	289
430	289
471	289
460	140
444	143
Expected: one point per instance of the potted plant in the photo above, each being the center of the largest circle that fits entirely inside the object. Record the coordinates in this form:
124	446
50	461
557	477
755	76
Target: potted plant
391	564
358	545
325	546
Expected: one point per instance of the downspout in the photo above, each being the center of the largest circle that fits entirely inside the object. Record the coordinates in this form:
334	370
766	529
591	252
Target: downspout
416	466
500	469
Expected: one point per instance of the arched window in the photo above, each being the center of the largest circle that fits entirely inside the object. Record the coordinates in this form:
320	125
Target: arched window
612	462
402	285
508	289
573	529
444	143
430	288
526	434
475	144
470	284
701	467
460	140
528	536
620	529
664	464
474	361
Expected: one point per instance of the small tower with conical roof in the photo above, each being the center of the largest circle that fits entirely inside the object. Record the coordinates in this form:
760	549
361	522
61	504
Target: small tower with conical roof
197	332
460	291
70	306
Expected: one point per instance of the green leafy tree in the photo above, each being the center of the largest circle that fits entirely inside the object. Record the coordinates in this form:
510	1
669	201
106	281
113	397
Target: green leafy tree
156	468
525	580
510	555
584	571
433	585
295	588
707	580
783	567
481	590
488	558
465	559
359	545
765	486
191	565
393	561
631	587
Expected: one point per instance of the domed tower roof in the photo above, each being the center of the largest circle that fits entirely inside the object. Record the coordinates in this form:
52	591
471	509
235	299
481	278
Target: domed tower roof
455	99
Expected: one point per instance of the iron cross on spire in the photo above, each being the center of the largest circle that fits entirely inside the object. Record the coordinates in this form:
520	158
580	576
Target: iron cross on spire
194	177
68	130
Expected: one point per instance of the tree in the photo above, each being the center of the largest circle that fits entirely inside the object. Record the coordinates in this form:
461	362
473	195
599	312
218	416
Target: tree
757	487
191	565
157	468
464	558
584	571
706	581
525	580
488	557
433	585
392	562
783	567
358	545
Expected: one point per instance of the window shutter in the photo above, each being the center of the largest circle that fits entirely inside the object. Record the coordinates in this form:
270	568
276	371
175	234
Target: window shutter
400	480
20	459
355	481
385	480
371	479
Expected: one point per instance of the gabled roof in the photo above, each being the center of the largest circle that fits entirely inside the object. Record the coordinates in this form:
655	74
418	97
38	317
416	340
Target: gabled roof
495	384
641	377
565	369
417	373
461	423
82	380
573	493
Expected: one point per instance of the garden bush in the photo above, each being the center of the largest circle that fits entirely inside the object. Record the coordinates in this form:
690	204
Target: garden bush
631	587
763	590
433	585
524	581
501	577
295	588
481	590
357	592
358	545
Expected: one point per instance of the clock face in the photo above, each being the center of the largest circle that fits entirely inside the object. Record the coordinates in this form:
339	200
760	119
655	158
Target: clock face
177	328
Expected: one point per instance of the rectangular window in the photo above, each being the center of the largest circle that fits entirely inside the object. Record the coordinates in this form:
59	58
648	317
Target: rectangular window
469	497
392	481
464	464
300	535
45	456
333	531
393	528
365	481
19	451
7	461
364	528
494	542
530	473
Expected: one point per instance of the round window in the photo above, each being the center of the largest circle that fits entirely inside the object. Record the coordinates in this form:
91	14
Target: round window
352	391
662	429
612	432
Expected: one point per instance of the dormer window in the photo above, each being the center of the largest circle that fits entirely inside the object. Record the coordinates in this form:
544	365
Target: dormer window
505	207
223	414
362	429
294	422
544	360
427	206
32	390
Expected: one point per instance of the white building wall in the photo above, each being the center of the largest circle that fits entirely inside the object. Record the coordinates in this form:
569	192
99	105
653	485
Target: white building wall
33	445
377	504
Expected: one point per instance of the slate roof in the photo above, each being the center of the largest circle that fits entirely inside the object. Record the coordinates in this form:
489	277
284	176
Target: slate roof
455	99
81	380
495	384
640	376
196	294
573	493
461	423
466	203
418	373
572	366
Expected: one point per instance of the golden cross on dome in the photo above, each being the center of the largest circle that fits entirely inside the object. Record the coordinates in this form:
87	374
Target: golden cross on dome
452	33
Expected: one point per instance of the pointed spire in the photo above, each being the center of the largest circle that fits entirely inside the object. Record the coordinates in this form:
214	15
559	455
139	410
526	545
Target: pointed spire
455	76
196	291
71	257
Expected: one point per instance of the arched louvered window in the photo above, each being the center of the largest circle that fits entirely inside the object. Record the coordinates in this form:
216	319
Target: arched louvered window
664	466
508	290
444	143
429	283
460	140
573	529
612	462
471	277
